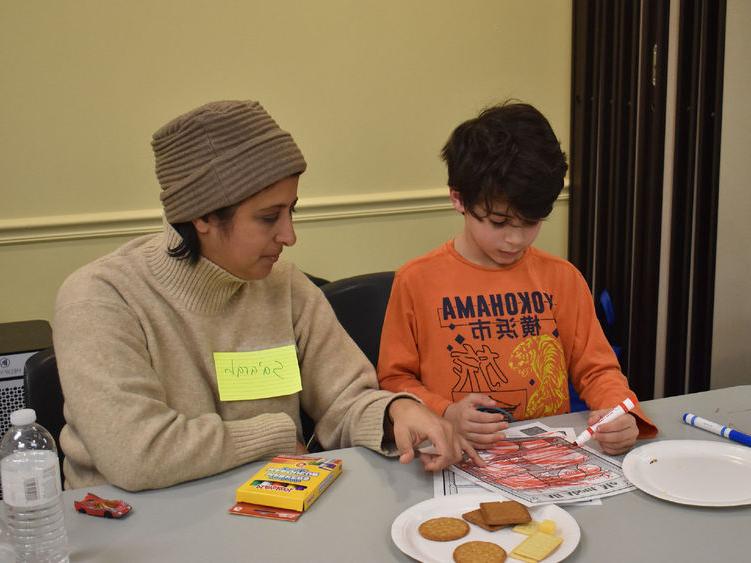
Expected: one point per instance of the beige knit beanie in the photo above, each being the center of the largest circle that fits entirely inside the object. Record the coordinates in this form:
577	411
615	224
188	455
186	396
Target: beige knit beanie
220	154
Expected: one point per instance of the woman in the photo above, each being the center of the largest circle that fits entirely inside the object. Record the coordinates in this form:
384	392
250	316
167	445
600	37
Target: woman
136	332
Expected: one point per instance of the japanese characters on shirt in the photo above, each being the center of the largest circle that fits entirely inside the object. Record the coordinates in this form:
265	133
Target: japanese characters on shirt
506	346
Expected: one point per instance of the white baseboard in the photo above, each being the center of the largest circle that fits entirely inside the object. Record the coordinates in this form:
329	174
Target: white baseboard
143	221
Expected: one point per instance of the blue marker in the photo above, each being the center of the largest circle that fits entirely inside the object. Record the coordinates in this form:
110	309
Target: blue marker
719	429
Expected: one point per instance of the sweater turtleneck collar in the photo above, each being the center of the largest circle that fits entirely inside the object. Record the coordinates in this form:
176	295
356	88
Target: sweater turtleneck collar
203	287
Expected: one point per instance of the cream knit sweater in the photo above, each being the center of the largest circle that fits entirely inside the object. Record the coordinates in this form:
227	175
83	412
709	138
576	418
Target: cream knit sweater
134	335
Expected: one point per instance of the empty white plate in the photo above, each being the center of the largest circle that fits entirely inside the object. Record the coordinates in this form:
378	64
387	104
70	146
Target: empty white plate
695	472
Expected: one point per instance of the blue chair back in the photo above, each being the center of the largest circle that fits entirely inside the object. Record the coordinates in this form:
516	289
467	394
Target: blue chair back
606	315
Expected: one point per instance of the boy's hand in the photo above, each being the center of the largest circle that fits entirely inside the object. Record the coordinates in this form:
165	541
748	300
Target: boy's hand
413	423
615	437
481	429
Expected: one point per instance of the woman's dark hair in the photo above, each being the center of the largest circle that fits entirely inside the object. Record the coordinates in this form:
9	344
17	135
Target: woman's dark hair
189	247
509	152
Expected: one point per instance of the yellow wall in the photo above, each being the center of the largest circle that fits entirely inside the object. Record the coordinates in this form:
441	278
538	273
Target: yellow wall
731	355
370	90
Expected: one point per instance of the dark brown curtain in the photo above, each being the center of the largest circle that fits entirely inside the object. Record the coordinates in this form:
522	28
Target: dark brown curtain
617	145
701	55
619	76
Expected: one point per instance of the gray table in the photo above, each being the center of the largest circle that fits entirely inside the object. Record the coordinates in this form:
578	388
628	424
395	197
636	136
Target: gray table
352	520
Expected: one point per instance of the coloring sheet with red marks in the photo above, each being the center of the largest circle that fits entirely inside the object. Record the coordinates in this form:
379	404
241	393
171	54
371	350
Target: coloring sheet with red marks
538	465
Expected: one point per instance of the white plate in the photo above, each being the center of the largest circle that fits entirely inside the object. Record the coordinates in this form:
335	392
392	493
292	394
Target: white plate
695	472
408	539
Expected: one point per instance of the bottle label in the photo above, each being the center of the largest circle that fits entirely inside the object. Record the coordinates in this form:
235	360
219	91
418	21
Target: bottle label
30	478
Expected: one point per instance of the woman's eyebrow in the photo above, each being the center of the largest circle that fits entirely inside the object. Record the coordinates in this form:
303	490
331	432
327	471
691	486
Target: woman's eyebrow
278	206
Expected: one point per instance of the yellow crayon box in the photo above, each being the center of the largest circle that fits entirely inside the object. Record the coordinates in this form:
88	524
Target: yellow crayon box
291	482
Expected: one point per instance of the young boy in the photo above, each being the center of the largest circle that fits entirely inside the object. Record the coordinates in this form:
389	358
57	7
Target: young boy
487	320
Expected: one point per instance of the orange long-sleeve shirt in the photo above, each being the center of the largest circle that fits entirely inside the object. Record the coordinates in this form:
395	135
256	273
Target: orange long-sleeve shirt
516	333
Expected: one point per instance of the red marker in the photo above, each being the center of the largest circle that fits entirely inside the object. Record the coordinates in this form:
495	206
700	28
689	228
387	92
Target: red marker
622	408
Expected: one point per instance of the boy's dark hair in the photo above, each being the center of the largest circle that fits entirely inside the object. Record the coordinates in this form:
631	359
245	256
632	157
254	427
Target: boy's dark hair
508	152
189	247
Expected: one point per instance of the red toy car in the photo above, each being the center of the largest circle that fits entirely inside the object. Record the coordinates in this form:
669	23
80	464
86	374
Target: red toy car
97	506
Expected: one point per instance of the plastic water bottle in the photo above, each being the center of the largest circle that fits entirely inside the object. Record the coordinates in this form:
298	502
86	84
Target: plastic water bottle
32	492
7	553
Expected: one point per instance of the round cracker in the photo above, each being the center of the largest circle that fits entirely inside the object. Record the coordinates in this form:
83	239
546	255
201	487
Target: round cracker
479	552
443	529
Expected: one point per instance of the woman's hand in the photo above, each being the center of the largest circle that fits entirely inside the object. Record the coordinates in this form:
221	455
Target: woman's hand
481	429
615	437
413	423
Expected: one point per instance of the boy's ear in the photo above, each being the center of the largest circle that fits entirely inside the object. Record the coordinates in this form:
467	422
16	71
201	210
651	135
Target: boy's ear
456	200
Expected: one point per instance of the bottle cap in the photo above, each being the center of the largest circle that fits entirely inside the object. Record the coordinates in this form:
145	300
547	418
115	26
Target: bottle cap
23	417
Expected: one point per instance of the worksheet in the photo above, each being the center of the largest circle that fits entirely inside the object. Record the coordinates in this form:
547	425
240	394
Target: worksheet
537	465
447	483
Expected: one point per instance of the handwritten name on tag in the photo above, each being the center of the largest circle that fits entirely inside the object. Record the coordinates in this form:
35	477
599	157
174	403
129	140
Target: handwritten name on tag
257	375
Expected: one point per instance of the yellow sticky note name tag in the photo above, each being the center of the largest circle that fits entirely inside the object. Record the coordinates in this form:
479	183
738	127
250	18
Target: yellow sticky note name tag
257	375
